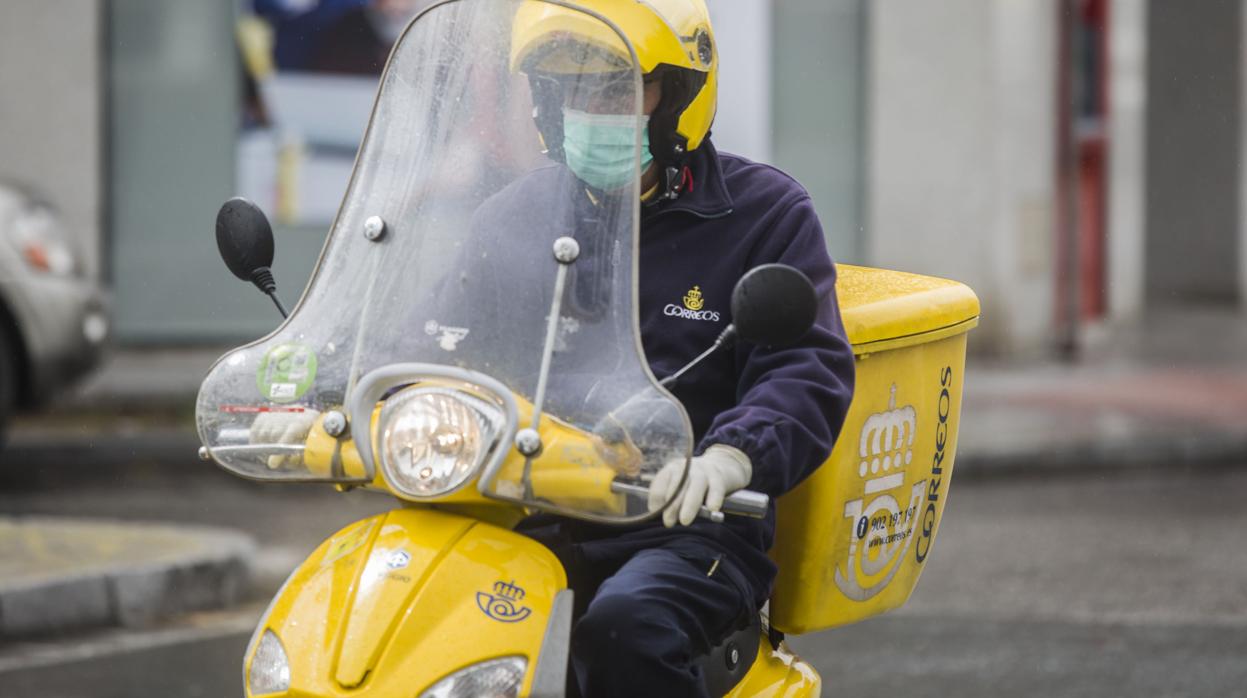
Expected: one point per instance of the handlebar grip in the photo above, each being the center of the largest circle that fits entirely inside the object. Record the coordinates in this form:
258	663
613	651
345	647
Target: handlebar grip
237	441
261	450
746	503
739	503
233	436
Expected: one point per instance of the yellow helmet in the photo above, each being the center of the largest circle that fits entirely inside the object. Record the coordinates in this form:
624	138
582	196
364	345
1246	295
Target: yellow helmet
673	41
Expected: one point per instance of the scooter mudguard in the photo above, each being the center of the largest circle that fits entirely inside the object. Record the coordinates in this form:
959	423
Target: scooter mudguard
778	673
392	604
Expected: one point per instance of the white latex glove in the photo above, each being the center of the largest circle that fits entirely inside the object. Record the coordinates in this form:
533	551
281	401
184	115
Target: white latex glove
283	428
718	472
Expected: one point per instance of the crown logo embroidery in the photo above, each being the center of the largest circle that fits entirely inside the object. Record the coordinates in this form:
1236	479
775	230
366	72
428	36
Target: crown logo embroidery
887	439
693	299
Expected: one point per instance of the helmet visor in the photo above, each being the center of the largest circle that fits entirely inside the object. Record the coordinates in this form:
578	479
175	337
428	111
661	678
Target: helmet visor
596	93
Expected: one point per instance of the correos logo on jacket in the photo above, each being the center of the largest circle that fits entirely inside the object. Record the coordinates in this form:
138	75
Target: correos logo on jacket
693	307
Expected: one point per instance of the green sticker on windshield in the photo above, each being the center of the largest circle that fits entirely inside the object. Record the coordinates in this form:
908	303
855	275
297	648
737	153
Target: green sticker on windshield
286	372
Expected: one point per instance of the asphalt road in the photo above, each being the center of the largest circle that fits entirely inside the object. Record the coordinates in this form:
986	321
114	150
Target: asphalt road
1101	586
1098	586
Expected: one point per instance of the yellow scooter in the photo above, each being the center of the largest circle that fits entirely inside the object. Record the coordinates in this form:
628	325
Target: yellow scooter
480	375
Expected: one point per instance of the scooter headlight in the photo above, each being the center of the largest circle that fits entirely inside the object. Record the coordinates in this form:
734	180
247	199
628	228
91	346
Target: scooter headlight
270	669
496	678
433	439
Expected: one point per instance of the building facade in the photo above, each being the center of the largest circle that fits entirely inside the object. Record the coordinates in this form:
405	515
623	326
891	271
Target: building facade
1077	162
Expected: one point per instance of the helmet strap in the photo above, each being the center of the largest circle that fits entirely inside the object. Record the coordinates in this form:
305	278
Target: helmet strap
674	162
669	147
548	115
673	183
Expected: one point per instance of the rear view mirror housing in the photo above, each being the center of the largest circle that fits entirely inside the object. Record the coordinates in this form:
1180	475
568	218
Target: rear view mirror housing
774	305
245	240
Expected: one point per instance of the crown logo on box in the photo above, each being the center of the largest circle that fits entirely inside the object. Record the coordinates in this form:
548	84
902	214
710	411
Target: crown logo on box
887	439
508	590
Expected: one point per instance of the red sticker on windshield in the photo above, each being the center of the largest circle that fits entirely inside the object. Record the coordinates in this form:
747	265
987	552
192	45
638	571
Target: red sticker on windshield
255	409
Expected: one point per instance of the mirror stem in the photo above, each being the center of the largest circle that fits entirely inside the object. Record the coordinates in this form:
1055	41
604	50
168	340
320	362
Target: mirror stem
263	280
725	340
280	308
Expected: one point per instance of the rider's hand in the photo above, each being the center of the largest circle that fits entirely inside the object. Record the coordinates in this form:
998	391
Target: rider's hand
718	472
283	428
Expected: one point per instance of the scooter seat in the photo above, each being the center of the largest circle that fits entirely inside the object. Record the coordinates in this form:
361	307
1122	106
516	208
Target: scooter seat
727	663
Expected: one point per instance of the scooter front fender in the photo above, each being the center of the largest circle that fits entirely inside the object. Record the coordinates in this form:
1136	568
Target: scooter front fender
394	603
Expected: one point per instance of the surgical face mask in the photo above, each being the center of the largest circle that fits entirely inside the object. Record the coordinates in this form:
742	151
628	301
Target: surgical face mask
601	148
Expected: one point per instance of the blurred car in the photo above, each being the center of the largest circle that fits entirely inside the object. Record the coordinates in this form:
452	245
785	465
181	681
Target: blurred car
53	319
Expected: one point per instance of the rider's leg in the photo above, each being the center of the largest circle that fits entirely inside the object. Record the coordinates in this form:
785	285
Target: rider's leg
650	620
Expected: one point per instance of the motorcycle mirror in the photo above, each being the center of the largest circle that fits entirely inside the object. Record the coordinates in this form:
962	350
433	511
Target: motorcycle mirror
773	305
245	240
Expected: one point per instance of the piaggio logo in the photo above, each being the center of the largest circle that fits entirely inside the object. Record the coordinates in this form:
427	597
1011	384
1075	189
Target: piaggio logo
450	336
398	559
693	308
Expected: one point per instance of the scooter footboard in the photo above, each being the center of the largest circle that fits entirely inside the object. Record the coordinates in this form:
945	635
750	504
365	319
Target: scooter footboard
398	602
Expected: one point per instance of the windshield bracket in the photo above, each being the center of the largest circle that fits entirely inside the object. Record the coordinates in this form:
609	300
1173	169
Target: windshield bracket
566	250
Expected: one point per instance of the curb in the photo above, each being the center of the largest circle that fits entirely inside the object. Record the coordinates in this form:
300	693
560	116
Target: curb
68	574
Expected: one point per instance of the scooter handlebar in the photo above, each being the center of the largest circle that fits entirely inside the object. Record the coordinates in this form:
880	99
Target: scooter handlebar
746	503
238	441
739	503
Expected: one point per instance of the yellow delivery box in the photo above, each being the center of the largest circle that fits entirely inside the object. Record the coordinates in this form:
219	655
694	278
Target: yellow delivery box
853	538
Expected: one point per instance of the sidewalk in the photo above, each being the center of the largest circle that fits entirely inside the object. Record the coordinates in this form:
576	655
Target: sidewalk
1169	394
1047	418
64	574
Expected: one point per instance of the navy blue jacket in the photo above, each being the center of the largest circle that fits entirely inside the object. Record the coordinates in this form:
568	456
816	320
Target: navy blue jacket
783	407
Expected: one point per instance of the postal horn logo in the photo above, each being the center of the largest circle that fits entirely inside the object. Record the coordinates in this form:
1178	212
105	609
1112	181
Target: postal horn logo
881	523
693	299
503	604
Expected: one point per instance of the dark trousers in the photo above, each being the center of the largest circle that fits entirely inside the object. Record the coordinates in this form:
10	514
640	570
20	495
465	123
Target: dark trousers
645	615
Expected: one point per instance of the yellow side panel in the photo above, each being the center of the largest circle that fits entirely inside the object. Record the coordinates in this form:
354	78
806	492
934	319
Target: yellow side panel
852	539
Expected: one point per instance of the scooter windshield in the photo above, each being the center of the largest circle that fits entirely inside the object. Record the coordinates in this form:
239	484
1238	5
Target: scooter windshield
503	129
